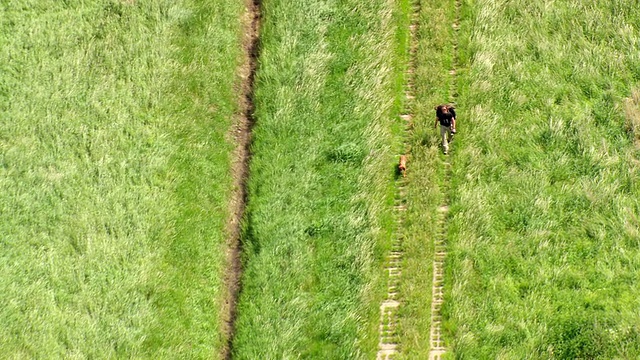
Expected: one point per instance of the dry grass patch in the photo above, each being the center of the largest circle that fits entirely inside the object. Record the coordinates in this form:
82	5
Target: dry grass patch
632	115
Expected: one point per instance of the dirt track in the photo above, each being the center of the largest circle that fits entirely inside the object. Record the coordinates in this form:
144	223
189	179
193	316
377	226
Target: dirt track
241	134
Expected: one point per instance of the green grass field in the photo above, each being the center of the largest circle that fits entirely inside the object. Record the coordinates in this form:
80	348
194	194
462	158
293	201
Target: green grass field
114	175
115	145
544	247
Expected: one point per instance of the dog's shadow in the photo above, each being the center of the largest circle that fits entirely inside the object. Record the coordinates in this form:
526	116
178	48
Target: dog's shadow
397	173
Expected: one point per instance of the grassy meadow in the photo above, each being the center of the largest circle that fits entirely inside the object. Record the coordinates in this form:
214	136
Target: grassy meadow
114	175
321	188
115	143
544	241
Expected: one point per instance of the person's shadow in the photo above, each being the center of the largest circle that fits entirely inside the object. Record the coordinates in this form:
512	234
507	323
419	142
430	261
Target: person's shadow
430	140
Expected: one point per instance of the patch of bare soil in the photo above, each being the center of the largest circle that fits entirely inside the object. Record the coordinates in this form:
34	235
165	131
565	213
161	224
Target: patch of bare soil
241	134
632	114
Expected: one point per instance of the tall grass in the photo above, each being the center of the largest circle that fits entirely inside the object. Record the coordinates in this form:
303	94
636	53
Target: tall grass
114	175
544	246
316	227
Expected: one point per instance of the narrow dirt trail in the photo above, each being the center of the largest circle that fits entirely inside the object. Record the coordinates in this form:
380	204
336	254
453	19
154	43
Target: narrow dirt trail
388	336
241	135
436	342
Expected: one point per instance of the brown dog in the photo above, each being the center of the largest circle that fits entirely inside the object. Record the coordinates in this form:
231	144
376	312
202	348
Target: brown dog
403	165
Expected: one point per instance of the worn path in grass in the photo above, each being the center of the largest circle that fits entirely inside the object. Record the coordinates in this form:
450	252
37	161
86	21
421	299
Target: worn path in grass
388	339
436	343
428	189
241	157
440	243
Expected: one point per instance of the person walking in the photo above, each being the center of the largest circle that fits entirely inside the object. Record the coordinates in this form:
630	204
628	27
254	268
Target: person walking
446	116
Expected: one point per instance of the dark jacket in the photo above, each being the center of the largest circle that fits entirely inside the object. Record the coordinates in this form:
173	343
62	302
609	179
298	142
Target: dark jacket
445	118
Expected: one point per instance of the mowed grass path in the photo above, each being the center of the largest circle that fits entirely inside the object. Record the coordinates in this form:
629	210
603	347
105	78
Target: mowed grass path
114	175
426	190
320	191
544	251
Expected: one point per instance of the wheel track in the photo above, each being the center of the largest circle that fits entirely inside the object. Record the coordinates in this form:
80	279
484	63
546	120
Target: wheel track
242	135
388	336
437	344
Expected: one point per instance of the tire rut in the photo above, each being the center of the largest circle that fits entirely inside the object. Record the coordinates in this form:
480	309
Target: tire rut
242	135
436	341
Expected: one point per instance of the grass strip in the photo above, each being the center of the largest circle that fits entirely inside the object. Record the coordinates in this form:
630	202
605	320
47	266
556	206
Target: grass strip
317	220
